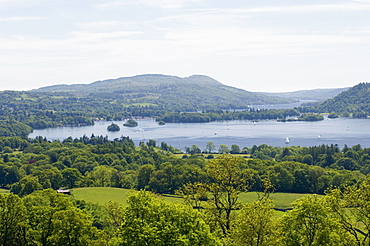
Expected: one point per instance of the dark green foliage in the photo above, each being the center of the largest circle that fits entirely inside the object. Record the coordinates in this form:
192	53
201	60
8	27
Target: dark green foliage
9	128
113	128
131	123
311	117
220	115
333	115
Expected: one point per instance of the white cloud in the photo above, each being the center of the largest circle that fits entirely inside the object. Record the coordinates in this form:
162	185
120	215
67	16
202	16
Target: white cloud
164	4
21	18
351	6
83	36
93	25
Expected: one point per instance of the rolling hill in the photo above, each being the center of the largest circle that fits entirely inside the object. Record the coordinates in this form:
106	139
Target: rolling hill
195	92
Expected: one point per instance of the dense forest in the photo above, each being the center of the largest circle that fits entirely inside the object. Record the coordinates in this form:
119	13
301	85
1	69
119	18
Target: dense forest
210	184
28	165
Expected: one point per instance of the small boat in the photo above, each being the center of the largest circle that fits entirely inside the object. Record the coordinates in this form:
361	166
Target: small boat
287	140
319	137
215	133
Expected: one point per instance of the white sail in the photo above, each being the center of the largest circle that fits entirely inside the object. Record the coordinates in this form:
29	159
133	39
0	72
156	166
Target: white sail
287	140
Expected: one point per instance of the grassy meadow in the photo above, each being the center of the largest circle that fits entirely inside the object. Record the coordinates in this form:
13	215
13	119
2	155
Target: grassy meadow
101	195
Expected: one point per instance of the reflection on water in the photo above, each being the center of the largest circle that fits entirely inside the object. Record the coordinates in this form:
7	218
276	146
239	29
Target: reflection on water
243	133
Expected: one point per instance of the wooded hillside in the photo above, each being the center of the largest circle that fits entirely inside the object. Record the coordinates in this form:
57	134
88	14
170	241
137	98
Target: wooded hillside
196	92
355	101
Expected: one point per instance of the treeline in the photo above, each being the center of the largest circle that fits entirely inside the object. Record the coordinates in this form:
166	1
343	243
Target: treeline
43	110
211	214
28	165
221	115
9	128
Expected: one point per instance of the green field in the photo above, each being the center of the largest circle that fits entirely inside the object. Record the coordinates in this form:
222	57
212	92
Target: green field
281	200
102	195
216	155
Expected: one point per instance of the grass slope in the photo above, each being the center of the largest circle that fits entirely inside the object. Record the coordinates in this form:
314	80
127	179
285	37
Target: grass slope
4	190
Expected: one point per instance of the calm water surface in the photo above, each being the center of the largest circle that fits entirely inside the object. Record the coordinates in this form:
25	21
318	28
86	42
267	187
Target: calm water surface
243	133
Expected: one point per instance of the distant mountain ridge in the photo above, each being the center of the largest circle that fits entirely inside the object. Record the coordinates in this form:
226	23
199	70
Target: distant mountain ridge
315	94
197	92
138	80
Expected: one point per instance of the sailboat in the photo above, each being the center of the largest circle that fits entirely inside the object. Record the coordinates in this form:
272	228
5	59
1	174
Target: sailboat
287	140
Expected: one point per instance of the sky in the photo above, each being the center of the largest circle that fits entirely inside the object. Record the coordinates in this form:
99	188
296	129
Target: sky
256	45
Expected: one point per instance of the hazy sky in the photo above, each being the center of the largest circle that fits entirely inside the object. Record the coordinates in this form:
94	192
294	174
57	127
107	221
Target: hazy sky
257	45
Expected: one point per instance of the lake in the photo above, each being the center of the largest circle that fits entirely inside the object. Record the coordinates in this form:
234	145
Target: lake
243	133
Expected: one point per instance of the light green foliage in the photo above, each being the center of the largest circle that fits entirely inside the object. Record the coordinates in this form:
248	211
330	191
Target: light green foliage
54	220
101	176
12	220
255	225
226	180
311	223
351	207
71	227
152	221
210	147
223	149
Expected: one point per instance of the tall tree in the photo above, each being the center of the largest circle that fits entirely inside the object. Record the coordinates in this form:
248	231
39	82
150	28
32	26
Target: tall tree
255	225
12	220
54	220
210	147
351	206
226	180
223	149
311	223
151	221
